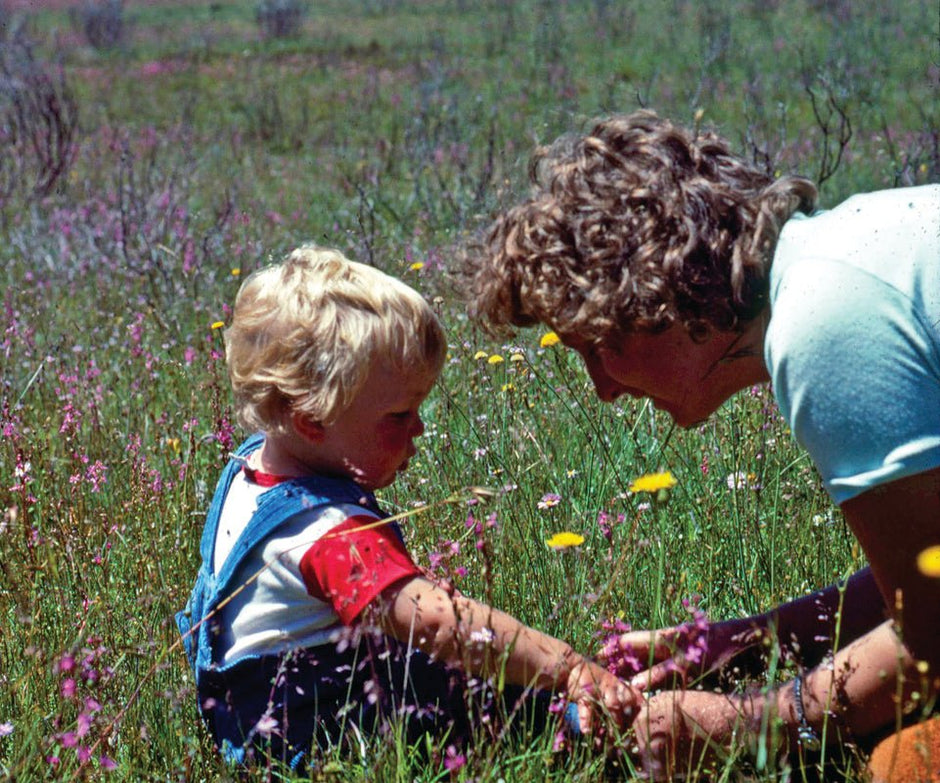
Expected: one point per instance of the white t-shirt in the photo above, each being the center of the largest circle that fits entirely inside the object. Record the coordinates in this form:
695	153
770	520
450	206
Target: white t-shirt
308	579
853	342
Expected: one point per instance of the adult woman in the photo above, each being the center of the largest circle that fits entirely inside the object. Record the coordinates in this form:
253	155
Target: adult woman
681	273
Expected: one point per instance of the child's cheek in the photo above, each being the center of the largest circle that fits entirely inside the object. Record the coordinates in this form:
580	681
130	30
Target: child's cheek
390	437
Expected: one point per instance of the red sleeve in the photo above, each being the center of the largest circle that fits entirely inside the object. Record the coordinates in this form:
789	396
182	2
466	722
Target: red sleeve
348	570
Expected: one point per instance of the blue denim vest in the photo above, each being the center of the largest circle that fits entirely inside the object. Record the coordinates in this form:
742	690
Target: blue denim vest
313	687
199	622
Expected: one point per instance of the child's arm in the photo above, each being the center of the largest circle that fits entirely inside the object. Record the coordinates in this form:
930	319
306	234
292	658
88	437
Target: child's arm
457	629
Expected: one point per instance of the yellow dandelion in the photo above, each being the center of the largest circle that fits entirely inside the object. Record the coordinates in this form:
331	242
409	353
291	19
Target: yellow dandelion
236	271
217	324
416	266
564	540
508	387
928	561
549	339
517	357
480	355
653	482
495	359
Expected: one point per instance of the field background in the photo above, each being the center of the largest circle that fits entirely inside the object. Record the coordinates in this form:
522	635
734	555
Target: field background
141	181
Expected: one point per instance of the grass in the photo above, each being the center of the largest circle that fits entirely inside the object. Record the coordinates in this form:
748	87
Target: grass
390	129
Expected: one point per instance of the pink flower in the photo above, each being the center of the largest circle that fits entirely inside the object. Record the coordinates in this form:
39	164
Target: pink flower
266	726
152	69
453	759
548	500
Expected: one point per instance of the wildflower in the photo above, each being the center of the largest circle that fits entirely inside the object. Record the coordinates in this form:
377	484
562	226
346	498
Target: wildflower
741	480
621	658
516	358
417	265
565	540
6	729
483	636
696	632
480	355
548	500
507	387
606	523
217	325
236	271
928	561
453	759
495	359
266	726
549	339
653	482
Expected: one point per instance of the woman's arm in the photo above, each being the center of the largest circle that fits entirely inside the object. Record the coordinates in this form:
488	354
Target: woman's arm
805	628
459	630
895	523
870	683
869	686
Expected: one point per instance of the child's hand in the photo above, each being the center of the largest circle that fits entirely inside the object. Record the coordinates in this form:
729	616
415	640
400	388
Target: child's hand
604	701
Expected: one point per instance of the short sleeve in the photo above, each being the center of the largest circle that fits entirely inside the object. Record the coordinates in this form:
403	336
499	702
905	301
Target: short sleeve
856	373
352	564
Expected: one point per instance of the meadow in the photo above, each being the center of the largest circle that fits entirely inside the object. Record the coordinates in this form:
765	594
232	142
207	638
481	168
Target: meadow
143	178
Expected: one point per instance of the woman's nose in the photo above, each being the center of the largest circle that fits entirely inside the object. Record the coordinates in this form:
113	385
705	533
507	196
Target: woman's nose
606	388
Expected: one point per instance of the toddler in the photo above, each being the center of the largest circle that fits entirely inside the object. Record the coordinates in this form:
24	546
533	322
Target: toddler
310	624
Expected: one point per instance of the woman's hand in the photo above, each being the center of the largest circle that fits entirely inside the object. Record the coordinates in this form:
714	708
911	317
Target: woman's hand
670	656
681	731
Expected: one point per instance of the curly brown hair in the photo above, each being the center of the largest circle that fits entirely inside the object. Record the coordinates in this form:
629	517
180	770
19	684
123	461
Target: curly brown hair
634	226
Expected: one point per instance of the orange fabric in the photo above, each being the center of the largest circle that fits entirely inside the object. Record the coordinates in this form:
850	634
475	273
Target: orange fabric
911	755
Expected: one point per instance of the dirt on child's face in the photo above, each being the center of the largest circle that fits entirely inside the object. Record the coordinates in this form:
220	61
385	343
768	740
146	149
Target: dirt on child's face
373	439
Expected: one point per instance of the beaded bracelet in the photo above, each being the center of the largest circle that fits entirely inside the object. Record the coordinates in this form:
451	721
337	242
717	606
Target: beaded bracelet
805	734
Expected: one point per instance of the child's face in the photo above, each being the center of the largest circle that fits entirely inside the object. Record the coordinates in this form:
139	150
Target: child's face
373	438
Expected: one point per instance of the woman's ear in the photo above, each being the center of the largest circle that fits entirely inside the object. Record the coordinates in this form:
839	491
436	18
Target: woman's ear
306	427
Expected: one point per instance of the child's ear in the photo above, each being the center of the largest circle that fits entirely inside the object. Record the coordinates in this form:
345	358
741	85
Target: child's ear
307	427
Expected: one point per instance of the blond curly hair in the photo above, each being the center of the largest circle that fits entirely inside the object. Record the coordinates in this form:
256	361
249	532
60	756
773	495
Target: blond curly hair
635	226
306	332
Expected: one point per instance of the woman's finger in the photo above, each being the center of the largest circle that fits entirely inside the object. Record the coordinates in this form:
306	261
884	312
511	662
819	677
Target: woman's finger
659	676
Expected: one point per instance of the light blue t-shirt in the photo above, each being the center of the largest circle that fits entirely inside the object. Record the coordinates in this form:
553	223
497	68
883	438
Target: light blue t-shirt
853	342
